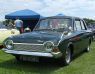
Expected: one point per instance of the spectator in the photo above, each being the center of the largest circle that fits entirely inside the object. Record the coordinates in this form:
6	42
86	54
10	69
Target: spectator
19	25
11	25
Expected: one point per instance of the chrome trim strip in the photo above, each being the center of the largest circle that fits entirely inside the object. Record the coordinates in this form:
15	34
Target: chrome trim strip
34	44
28	44
60	39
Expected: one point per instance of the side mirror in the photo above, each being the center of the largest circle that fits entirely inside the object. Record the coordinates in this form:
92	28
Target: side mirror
68	31
65	32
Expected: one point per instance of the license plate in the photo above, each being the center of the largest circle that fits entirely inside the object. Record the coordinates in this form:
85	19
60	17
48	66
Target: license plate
30	58
34	59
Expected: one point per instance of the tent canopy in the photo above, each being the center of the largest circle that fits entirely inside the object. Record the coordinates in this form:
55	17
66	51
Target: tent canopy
23	14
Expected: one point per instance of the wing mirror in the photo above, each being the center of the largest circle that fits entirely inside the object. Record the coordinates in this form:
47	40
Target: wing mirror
68	30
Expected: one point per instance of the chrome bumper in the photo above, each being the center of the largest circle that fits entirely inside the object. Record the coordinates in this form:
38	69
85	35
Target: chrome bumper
38	54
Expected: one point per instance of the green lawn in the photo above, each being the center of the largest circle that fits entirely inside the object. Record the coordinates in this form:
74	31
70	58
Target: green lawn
83	64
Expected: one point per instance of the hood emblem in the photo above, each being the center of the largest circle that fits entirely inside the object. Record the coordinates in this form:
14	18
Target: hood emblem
40	41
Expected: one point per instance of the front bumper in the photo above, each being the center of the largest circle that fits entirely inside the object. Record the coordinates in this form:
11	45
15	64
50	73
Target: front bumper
38	54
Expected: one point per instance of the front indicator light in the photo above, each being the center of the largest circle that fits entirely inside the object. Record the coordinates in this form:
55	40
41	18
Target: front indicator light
55	50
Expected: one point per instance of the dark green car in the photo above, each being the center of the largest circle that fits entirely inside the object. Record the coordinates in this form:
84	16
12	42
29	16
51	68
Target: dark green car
59	37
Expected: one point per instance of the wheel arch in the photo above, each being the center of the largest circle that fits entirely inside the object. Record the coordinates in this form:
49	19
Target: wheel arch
71	47
90	40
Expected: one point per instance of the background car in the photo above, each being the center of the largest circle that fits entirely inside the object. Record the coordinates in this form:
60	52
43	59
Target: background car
5	32
92	28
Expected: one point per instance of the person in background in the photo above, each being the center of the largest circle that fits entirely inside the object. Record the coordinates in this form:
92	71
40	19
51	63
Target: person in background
19	25
11	25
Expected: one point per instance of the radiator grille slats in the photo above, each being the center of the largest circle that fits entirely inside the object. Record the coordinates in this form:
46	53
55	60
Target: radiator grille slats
23	47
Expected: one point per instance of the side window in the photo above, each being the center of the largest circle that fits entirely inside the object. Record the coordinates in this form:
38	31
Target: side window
75	27
82	25
78	25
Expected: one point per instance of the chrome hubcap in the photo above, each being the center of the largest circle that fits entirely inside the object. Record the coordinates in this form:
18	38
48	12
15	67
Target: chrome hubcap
68	56
88	48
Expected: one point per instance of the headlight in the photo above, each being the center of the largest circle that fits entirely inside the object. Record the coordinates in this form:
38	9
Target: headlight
48	46
9	44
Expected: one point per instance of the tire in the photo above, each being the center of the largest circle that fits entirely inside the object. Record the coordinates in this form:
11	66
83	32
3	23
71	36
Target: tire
88	48
17	57
67	57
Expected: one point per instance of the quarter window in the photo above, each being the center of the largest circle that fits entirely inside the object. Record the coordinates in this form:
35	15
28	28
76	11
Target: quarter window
82	25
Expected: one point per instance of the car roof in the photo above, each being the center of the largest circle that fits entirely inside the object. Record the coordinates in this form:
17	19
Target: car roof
51	17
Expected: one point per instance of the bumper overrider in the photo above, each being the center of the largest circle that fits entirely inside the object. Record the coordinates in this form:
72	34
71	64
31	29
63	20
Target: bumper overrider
37	54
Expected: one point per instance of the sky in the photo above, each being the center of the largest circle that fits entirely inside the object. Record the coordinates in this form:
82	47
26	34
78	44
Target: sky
78	8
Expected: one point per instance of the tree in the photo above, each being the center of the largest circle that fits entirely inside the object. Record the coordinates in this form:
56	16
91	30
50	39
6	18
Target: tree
89	21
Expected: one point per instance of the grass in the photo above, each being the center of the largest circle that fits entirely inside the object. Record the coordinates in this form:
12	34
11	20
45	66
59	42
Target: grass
83	64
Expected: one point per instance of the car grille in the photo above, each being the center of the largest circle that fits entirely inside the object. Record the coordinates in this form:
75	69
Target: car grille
24	47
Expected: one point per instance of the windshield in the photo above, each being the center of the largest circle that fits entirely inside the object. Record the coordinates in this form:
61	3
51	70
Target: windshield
54	24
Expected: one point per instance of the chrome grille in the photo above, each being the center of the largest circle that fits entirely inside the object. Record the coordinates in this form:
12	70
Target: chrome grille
24	47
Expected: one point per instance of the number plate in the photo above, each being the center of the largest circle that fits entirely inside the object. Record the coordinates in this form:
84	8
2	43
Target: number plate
34	59
30	58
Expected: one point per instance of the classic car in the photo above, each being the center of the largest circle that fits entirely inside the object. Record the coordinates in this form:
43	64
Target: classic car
92	28
6	32
58	37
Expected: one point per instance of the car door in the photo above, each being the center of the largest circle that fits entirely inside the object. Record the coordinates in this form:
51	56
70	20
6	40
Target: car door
85	36
78	38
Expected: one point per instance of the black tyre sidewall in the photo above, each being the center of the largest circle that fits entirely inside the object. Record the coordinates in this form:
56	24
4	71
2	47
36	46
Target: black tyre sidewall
64	57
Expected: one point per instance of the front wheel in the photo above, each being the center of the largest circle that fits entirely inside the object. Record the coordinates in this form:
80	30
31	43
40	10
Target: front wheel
67	57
